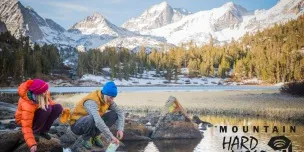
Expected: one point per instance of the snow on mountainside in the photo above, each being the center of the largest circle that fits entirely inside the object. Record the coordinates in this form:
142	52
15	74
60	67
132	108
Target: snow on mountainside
20	20
97	32
201	25
224	23
133	43
156	16
159	25
283	11
99	25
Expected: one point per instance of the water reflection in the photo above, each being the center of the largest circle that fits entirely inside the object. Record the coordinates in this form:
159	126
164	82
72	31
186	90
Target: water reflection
135	145
183	145
213	139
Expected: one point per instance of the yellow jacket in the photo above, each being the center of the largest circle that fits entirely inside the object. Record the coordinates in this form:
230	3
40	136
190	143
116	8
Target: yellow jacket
79	110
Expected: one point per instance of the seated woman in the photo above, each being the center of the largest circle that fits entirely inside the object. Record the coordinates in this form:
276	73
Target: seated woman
36	111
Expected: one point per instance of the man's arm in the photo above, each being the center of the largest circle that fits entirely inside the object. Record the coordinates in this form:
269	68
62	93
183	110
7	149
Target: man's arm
120	123
92	109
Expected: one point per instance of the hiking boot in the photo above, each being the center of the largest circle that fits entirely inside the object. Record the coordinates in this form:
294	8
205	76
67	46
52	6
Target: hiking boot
36	137
98	141
87	144
45	135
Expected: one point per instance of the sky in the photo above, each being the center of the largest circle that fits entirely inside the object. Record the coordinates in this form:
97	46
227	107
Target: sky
68	12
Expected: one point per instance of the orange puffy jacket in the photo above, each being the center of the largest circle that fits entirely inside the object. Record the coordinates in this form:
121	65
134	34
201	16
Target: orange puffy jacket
25	112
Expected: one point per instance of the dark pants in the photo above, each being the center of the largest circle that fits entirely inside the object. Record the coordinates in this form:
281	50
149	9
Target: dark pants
43	120
86	127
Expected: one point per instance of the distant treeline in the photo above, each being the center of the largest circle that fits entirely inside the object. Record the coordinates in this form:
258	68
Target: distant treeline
19	60
274	55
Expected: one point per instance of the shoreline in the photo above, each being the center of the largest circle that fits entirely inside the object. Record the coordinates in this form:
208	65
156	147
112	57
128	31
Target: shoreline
155	85
174	88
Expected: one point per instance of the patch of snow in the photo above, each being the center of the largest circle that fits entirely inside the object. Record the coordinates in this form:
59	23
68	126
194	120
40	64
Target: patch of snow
279	84
252	81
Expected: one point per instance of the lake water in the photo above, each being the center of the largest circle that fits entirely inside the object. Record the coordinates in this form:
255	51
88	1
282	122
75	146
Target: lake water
155	89
213	138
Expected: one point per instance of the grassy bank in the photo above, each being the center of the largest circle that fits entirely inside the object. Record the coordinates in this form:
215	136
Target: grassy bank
269	104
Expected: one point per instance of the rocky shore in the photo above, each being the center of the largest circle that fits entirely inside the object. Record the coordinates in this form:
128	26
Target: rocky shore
170	123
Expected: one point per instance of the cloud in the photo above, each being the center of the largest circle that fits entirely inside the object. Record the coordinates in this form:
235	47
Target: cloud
70	6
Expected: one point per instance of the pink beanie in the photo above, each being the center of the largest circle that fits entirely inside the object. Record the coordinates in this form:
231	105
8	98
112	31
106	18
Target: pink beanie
38	86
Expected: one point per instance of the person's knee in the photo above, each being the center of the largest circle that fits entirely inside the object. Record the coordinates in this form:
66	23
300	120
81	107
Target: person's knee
47	111
113	115
89	121
57	109
83	125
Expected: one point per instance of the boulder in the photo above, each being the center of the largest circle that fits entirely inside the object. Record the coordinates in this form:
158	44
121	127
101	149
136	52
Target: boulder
10	139
14	142
174	123
68	138
134	131
43	145
153	118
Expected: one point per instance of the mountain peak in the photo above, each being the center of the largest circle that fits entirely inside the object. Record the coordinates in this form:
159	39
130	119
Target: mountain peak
91	22
229	4
96	17
232	7
159	7
98	25
156	16
164	4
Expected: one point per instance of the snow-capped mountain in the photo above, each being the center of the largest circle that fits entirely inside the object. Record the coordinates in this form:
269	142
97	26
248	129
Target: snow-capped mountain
201	25
97	32
283	11
20	20
99	25
156	16
157	26
226	22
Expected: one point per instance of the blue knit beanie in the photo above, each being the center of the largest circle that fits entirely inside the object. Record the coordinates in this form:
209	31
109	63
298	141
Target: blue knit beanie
110	89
